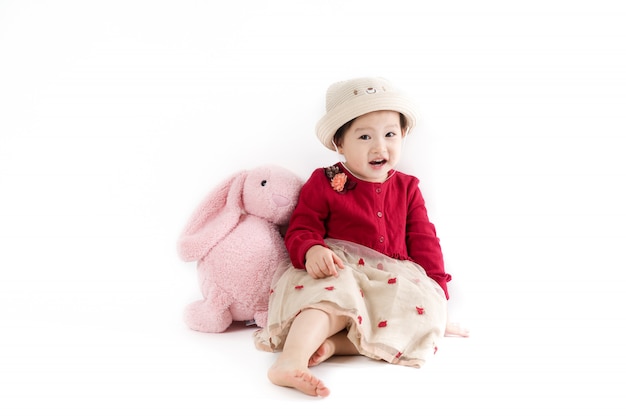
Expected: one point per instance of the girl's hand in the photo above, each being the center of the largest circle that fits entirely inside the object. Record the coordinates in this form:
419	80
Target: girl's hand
322	262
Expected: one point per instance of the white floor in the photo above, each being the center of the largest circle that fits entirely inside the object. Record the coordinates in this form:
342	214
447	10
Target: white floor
103	337
117	117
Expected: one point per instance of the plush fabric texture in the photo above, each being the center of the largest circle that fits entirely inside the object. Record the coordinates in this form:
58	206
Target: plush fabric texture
234	235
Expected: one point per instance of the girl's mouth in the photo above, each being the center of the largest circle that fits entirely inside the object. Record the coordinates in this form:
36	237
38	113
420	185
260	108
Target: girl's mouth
377	163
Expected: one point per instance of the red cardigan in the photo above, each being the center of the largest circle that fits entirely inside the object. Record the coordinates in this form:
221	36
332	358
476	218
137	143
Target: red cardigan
388	217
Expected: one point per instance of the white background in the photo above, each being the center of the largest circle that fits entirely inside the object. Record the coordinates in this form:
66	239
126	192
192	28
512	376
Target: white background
117	117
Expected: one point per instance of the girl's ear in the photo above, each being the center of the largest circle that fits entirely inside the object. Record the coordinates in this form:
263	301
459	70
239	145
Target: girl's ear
405	131
338	148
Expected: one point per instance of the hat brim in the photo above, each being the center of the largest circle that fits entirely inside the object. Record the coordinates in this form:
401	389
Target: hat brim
351	109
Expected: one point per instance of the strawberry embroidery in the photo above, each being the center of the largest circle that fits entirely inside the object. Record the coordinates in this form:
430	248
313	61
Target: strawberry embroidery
360	319
298	287
362	294
361	262
420	310
330	288
379	266
392	280
382	324
399	354
436	348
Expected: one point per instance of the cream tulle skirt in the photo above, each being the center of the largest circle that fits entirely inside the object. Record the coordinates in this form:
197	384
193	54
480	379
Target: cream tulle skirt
396	312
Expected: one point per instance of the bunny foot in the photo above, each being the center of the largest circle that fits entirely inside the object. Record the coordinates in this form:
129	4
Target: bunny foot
200	317
260	319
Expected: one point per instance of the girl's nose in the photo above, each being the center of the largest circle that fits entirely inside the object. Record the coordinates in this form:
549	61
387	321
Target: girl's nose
380	144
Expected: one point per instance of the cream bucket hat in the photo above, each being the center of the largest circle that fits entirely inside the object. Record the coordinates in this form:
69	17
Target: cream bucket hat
349	99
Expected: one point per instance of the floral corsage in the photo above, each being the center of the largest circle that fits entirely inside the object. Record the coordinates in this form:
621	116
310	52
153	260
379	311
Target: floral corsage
338	180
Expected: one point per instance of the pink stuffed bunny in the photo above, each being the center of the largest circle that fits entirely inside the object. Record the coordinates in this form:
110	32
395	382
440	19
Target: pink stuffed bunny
234	235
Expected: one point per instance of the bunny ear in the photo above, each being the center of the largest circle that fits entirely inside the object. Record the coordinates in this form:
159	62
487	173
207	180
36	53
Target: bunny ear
215	217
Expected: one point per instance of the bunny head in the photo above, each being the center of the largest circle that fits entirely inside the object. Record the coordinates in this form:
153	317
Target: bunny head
269	192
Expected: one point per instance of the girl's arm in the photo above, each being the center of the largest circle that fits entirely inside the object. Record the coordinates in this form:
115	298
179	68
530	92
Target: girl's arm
422	241
306	226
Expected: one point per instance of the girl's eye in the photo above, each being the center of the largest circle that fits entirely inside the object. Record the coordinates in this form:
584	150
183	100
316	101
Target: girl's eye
365	137
391	134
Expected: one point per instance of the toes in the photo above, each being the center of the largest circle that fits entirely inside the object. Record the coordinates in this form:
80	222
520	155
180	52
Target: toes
315	359
322	390
311	385
321	355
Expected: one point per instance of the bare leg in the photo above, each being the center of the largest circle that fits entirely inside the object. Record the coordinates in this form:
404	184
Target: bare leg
335	345
308	331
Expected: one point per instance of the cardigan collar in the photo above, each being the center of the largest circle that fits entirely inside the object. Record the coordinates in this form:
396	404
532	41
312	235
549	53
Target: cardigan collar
347	170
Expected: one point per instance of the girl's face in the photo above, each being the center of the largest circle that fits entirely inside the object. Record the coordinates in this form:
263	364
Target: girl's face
372	145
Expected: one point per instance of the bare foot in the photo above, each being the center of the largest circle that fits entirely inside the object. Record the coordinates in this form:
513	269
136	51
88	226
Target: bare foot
335	345
323	353
454	329
301	380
